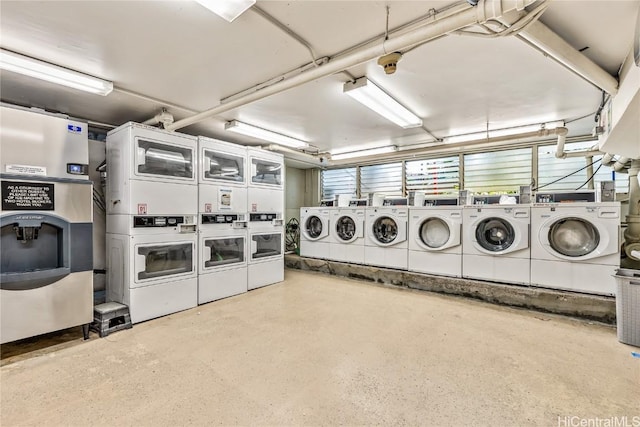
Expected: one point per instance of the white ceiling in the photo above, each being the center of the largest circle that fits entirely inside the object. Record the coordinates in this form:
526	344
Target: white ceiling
177	54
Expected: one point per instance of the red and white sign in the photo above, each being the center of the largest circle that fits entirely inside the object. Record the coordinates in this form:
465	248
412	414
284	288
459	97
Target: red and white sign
207	207
142	208
254	207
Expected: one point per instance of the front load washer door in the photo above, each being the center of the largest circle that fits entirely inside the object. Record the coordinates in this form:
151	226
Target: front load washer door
385	230
495	234
573	237
314	228
346	229
434	233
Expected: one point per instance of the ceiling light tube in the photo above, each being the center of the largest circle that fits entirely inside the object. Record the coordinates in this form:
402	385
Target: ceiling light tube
267	135
366	92
364	153
53	73
227	9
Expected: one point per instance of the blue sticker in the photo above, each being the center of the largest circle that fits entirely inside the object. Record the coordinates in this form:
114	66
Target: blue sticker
74	128
634	354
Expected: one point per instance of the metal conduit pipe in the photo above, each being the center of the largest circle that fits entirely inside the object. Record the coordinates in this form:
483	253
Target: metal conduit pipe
485	10
632	233
296	155
561	154
620	164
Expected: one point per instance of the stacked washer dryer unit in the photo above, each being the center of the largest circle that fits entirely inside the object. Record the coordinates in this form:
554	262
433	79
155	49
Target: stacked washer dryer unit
435	236
495	243
575	242
222	214
266	227
346	236
314	234
152	205
46	260
385	242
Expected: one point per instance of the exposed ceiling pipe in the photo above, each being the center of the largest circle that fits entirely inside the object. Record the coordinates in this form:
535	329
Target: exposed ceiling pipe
163	117
621	163
561	154
486	9
287	31
541	37
297	155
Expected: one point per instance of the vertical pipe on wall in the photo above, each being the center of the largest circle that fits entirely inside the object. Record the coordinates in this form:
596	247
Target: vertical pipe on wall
589	160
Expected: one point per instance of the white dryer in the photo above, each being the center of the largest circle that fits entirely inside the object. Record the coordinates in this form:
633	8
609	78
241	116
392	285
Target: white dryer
386	236
346	237
314	232
266	249
223	177
435	237
265	181
495	243
575	246
222	266
151	264
151	171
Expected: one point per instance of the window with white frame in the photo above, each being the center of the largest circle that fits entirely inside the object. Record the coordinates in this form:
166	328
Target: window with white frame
339	181
571	173
433	176
498	171
381	179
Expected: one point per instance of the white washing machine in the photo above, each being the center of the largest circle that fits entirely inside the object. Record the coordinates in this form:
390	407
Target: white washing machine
495	243
385	241
151	171
575	246
435	237
222	266
265	181
266	249
151	264
223	177
314	232
346	237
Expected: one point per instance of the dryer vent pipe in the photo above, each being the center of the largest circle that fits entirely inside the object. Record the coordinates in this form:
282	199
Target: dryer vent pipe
632	233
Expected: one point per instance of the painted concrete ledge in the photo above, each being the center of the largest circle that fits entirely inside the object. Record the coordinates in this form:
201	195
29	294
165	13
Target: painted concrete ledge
599	308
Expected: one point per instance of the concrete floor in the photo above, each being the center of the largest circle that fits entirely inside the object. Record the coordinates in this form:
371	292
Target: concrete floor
317	349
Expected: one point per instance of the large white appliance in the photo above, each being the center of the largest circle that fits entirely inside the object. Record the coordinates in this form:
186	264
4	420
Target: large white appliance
575	246
495	243
222	191
151	171
314	231
151	264
385	241
266	181
435	236
46	247
265	203
223	256
346	236
266	253
222	176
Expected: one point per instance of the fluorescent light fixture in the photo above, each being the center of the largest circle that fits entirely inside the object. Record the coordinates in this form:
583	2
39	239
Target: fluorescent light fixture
366	92
496	133
53	73
267	135
363	153
227	9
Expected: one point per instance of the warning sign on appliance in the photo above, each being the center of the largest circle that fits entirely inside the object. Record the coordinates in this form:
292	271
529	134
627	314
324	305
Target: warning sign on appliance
27	196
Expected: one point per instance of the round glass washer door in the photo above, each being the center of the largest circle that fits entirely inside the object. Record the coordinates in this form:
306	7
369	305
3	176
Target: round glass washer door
495	234
385	229
314	227
346	228
434	233
573	237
